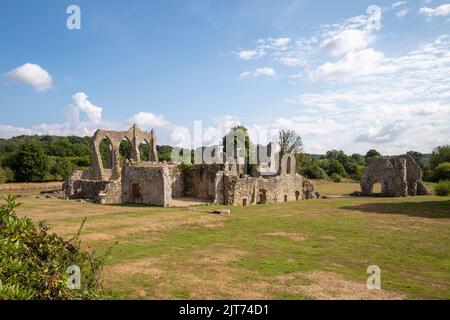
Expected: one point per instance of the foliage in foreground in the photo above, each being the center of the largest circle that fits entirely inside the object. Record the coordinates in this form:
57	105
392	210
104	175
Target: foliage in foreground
442	188
33	263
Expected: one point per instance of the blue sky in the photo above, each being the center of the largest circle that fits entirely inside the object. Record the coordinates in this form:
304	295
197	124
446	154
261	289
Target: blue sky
341	76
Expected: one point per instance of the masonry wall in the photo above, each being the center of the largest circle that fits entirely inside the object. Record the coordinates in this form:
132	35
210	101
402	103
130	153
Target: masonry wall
201	181
268	190
148	185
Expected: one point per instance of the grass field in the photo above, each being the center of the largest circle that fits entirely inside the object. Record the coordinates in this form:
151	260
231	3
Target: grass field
315	249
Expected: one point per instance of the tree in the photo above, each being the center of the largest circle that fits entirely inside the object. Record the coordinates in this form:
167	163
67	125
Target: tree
442	172
335	167
240	136
371	154
29	163
314	171
417	156
62	167
289	142
440	154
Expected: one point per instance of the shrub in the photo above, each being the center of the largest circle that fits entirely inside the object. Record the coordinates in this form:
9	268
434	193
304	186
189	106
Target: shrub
335	167
29	163
442	172
6	175
336	178
33	263
442	188
314	172
359	171
61	168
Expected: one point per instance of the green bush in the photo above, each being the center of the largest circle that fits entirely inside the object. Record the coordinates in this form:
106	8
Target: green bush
442	188
442	172
29	163
6	175
336	178
314	172
33	262
359	171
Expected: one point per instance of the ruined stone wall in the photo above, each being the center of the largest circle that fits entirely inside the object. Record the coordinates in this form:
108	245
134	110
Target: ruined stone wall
87	189
269	190
401	179
146	184
201	181
176	181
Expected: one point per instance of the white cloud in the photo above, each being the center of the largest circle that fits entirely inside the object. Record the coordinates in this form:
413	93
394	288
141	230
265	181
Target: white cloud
265	71
93	112
150	120
348	41
441	11
354	64
250	54
402	13
280	42
398	4
386	134
31	74
406	107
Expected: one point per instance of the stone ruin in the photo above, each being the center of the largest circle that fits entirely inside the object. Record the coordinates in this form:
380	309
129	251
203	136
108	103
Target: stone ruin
401	178
160	183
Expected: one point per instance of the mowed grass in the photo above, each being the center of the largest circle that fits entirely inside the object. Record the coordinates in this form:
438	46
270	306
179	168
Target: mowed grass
315	249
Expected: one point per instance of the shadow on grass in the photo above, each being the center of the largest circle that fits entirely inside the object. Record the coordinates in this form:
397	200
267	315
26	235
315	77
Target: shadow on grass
426	209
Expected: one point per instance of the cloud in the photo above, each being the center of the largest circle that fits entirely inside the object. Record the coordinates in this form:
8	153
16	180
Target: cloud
265	71
398	4
348	41
402	13
280	42
386	134
250	54
354	64
149	120
441	11
31	74
93	112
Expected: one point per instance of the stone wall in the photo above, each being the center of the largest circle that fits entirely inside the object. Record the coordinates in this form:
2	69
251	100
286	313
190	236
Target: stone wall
146	184
201	181
401	178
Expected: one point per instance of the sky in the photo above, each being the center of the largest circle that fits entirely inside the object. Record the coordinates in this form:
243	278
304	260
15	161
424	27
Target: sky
350	75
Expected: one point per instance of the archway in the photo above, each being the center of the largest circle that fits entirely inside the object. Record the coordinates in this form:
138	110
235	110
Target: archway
262	196
106	153
144	150
125	151
288	165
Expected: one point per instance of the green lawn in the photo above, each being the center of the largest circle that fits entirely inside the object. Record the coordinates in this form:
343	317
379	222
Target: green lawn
302	250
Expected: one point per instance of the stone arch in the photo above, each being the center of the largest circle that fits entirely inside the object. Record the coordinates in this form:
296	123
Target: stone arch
106	153
144	150
125	151
287	164
262	196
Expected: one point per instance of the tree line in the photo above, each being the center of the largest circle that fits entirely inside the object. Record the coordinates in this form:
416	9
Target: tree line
50	158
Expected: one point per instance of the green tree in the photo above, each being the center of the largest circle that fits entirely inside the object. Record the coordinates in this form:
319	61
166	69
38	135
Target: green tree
29	163
314	171
334	166
442	172
417	156
440	154
62	167
371	154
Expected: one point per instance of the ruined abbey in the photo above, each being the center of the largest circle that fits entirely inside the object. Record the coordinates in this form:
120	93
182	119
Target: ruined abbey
165	183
